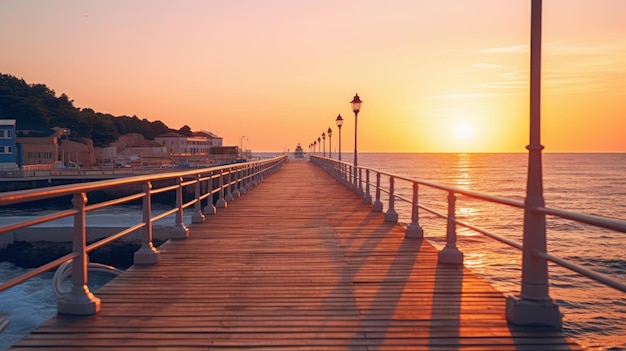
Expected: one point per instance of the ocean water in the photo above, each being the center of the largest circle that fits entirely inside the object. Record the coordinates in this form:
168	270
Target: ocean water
594	315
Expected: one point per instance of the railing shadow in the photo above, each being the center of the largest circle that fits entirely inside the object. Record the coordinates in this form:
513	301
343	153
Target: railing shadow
445	316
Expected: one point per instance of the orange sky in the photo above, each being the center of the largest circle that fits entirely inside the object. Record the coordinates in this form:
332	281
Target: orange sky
279	71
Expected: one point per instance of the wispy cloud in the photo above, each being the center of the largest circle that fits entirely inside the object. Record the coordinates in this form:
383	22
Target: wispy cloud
566	68
516	84
465	95
562	49
505	49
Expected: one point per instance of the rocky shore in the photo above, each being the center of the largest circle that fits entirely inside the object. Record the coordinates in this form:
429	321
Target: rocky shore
34	254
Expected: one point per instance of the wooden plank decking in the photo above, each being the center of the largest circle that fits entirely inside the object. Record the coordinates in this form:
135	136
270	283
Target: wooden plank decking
296	263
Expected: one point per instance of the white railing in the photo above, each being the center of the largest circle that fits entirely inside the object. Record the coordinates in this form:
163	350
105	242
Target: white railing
213	187
353	178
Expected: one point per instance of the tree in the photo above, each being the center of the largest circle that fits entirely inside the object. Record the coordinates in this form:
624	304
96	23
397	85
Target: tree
185	130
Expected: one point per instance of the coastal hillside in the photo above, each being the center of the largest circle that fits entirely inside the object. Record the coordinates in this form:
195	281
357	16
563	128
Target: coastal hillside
36	106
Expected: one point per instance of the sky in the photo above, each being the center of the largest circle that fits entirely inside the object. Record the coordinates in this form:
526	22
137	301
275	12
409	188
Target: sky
435	76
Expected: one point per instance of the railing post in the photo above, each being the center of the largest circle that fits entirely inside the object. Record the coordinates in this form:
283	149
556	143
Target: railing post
236	186
147	253
197	216
450	253
339	172
378	205
79	301
210	209
180	231
221	202
359	190
244	178
391	215
229	187
253	182
414	230
248	178
367	198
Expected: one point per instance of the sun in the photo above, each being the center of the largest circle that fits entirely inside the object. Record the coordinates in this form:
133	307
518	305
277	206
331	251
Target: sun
463	131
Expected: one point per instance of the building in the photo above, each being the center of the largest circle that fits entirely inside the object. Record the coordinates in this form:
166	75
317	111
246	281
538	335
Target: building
38	146
8	147
202	148
199	144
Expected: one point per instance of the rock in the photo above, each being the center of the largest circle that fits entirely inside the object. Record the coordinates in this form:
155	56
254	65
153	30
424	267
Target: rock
35	254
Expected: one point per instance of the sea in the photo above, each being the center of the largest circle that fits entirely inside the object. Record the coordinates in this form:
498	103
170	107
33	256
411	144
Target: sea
593	183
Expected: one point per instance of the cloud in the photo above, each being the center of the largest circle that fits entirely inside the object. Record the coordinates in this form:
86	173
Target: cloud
505	49
465	95
515	84
490	66
566	68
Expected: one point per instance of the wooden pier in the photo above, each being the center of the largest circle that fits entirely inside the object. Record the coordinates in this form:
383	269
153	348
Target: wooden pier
298	262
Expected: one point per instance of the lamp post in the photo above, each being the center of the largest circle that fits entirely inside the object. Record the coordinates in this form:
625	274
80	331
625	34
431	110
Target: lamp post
356	107
242	137
319	144
330	143
324	143
339	122
314	146
533	305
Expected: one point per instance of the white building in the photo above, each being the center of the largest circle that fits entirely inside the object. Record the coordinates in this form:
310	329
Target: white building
197	145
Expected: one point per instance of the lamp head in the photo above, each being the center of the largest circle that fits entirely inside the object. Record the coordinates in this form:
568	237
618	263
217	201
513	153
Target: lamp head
339	121
356	103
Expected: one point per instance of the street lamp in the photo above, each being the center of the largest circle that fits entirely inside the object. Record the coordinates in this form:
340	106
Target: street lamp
534	305
356	107
324	143
330	143
339	121
314	146
242	137
319	143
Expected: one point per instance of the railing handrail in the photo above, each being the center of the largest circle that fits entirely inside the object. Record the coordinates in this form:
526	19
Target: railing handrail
593	220
240	177
17	196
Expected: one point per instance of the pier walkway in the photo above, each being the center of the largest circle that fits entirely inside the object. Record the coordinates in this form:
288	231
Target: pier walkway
298	262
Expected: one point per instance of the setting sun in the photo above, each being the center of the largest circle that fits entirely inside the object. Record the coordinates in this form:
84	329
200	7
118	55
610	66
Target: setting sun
463	131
